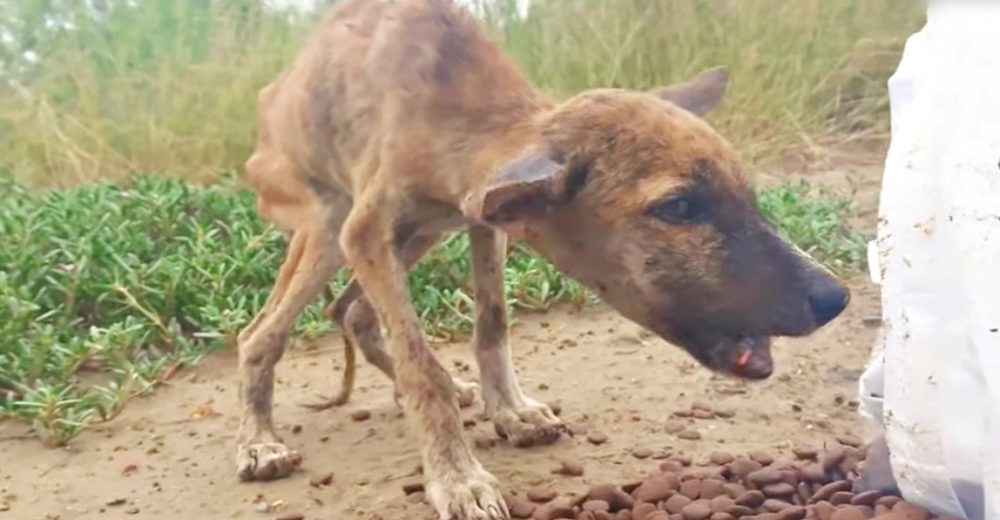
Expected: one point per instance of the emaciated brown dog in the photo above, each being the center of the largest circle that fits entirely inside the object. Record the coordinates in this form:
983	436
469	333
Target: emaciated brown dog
401	121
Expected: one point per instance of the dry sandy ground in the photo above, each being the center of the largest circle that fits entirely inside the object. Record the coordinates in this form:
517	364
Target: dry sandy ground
171	455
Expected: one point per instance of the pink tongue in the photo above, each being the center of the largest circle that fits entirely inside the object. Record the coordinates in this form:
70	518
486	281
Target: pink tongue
754	363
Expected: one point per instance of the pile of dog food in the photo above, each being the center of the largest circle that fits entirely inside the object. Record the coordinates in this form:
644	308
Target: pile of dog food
809	484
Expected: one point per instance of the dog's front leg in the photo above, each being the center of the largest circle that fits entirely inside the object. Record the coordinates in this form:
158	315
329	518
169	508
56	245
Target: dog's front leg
458	487
523	420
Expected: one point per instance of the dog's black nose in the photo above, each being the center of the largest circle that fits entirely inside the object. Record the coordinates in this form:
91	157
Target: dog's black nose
826	301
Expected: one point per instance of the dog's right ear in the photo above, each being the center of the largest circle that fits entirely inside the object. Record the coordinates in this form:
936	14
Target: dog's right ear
527	186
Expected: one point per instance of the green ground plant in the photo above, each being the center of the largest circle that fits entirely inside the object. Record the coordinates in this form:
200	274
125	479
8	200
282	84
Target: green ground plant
105	287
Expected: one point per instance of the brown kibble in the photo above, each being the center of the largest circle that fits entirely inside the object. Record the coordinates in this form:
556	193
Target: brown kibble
642	453
541	494
321	480
596	505
765	476
733	490
689	435
674	426
643	511
752	499
806	452
671	466
691	489
553	511
849	440
792	513
804	492
570	468
888	501
465	399
827	491
763	457
832	457
850	513
841	498
773	505
655	489
609	493
520	508
908	511
823	510
866	498
702	414
813	472
742	467
739	511
779	490
698	510
676	503
711	488
725	413
413	487
597	438
361	415
721	458
702	405
721	503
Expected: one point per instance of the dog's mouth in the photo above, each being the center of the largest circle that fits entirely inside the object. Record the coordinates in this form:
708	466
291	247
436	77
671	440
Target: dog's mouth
747	356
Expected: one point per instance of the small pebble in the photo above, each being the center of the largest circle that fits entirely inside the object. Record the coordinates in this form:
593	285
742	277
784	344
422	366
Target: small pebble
690	435
674	426
696	511
642	453
762	457
321	480
361	415
569	468
702	414
597	438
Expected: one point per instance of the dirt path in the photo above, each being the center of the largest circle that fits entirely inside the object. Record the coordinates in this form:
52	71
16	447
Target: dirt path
170	456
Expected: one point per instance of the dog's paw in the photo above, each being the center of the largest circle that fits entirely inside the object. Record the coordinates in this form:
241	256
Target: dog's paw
528	423
266	461
467	495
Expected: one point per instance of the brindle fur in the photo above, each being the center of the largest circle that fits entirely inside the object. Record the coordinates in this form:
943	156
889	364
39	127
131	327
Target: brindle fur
399	122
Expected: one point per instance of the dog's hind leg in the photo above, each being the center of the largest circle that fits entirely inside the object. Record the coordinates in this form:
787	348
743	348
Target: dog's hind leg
353	314
313	257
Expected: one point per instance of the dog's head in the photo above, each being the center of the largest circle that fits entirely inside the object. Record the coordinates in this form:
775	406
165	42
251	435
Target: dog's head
641	200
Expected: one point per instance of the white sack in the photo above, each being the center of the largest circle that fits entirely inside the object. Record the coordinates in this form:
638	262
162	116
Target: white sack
938	260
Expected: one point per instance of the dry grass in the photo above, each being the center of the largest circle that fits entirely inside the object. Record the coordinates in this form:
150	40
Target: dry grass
169	86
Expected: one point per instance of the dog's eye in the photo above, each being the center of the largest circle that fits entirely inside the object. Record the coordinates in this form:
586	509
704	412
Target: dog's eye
679	210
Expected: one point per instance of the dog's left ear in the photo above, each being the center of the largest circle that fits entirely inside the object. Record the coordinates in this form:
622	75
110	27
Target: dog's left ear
525	187
698	95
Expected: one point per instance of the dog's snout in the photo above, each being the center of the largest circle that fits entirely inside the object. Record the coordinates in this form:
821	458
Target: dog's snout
827	299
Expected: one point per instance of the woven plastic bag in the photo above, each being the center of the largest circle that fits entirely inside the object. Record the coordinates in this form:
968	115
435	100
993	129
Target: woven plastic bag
934	380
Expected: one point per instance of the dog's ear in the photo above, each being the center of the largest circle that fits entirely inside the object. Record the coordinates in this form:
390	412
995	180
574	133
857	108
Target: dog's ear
526	186
698	95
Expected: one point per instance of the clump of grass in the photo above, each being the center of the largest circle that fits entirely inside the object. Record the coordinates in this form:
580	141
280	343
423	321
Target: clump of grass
120	86
105	288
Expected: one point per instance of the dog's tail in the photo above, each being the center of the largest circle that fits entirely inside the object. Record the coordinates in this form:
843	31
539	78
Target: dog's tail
337	310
